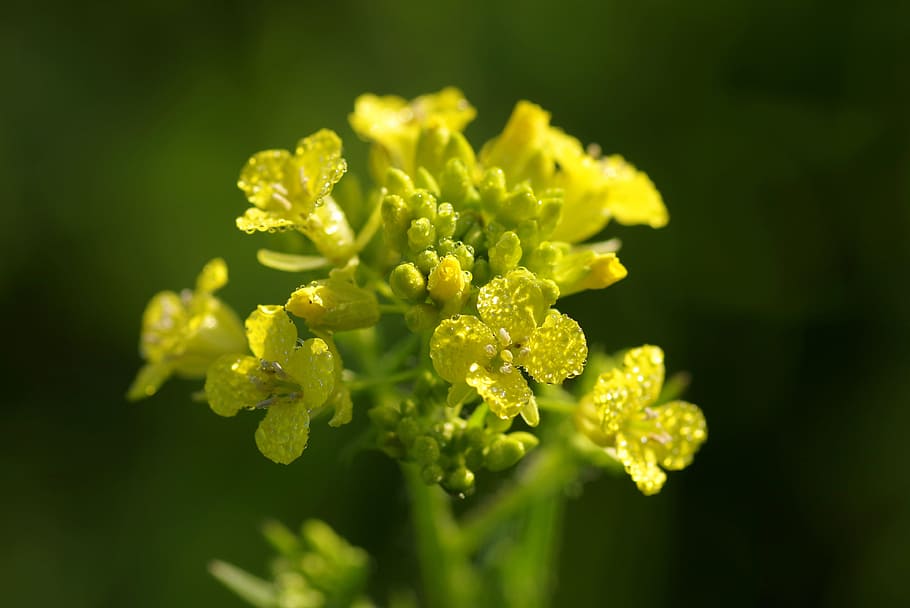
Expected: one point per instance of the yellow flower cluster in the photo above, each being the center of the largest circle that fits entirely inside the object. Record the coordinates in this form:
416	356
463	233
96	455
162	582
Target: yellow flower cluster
474	250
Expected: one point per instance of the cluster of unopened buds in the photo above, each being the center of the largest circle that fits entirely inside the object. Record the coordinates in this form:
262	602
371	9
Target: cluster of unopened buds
429	298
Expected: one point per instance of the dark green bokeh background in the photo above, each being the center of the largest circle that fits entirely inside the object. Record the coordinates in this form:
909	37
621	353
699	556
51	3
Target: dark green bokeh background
777	131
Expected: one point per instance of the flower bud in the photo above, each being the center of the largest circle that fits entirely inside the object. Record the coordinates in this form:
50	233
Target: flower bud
520	204
460	480
447	280
503	453
421	317
425	180
335	305
427	260
423	204
407	282
398	182
446	220
384	416
396	218
586	269
421	234
455	183
506	253
425	450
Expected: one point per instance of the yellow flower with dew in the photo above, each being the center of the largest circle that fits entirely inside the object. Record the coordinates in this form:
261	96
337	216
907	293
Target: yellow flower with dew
286	377
595	189
516	328
183	333
394	125
621	415
293	191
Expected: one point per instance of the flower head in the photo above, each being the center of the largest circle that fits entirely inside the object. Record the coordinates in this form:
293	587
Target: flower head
516	328
287	378
183	333
620	415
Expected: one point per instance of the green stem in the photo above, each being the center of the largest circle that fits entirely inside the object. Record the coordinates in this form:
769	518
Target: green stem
369	383
369	229
544	476
556	405
448	579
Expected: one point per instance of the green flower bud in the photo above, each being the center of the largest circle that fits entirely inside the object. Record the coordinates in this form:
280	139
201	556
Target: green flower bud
550	212
474	458
427	260
481	271
425	180
423	204
421	234
455	183
407	282
496	424
493	189
446	221
528	440
334	304
503	453
384	416
398	182
421	317
425	450
460	480
432	474
520	204
506	253
408	431
396	219
464	254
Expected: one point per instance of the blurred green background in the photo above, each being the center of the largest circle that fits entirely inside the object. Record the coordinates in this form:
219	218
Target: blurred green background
777	131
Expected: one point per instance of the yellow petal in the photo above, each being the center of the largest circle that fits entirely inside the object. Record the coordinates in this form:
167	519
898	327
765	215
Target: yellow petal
149	379
233	383
683	429
640	462
213	277
257	220
458	343
644	371
515	303
505	390
556	350
269	180
282	435
271	333
517	150
632	197
163	325
312	366
319	165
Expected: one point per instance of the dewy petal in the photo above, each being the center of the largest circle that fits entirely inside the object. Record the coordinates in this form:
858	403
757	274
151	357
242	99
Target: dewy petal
640	462
257	220
282	435
644	372
556	350
614	400
149	379
213	277
163	325
632	197
271	333
506	392
269	180
320	165
519	144
681	430
312	366
515	303
233	383
458	343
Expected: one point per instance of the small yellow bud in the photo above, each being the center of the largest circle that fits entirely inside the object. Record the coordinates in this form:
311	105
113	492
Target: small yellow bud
446	280
407	282
334	305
